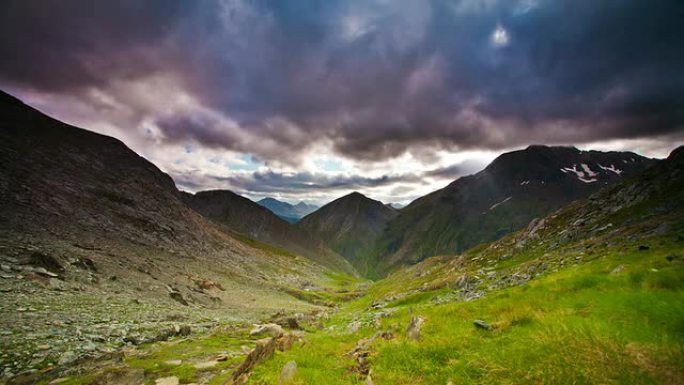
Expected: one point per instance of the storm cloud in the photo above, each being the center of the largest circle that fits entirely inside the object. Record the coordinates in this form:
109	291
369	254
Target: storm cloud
371	79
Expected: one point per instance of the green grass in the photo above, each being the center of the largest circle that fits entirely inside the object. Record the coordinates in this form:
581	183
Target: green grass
576	324
153	358
579	325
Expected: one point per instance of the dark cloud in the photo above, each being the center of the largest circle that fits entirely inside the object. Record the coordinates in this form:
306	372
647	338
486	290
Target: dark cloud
271	182
376	78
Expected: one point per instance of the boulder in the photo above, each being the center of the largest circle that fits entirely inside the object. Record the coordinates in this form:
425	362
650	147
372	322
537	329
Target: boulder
178	297
273	330
287	341
288	374
263	350
413	330
482	325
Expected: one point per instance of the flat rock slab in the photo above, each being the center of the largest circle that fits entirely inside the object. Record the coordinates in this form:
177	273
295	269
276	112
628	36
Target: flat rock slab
166	381
205	365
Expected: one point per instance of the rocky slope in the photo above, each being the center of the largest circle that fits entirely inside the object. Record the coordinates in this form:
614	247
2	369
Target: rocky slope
97	249
288	212
254	221
350	226
504	197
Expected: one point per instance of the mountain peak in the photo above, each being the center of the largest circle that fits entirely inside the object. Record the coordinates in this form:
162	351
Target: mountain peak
350	225
355	195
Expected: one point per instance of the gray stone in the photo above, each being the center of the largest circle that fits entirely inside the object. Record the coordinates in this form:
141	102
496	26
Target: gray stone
273	330
166	381
67	357
354	327
413	330
482	325
288	374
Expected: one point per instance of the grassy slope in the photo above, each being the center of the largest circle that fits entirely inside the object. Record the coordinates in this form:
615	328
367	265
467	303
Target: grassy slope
578	325
559	313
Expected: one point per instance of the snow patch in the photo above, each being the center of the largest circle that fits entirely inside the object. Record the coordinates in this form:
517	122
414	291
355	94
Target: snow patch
589	172
581	174
611	168
495	205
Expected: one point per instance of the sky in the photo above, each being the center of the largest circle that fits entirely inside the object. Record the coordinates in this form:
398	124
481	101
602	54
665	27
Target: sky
310	100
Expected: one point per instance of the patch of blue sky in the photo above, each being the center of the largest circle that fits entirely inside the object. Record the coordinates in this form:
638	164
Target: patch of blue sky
244	162
330	164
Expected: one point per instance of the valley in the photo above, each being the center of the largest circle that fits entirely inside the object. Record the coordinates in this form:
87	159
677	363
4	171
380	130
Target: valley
341	192
552	265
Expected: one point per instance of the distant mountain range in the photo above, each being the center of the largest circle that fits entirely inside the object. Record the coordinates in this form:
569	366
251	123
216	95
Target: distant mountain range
256	222
290	213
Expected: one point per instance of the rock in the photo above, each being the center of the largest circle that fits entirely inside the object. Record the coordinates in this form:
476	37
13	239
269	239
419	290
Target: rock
205	365
288	374
43	271
184	330
273	330
369	380
413	330
67	357
166	381
178	297
222	357
263	350
354	327
644	248
617	270
290	323
173	362
482	325
56	284
287	341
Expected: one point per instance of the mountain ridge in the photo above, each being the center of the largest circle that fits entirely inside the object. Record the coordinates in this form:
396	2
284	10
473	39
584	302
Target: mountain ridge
287	211
255	221
349	225
511	191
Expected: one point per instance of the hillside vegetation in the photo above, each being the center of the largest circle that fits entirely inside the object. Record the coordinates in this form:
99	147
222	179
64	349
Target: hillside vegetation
592	293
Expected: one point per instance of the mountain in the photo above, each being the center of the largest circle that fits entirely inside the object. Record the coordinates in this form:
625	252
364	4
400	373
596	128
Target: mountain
254	221
349	225
514	189
92	234
286	211
601	277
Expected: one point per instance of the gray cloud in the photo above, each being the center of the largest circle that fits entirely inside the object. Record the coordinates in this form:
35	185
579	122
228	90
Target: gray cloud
375	78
